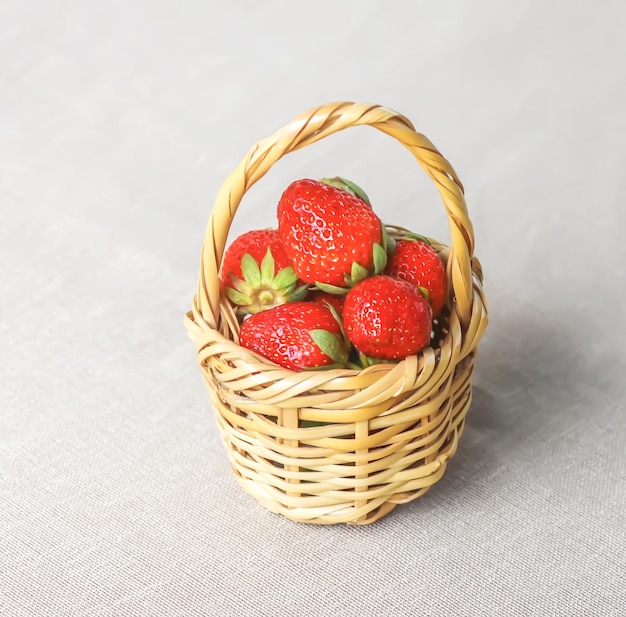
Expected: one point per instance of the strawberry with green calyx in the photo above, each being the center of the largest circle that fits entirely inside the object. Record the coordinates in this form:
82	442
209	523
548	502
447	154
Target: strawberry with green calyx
324	299
416	261
332	238
256	273
348	186
386	319
297	336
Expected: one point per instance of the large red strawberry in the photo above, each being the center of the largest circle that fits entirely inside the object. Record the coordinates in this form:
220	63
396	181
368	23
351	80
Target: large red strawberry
387	318
416	261
296	335
256	273
331	237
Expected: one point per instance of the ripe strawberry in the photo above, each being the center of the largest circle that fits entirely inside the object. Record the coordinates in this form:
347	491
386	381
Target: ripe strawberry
322	298
256	273
332	238
350	187
296	335
387	318
416	261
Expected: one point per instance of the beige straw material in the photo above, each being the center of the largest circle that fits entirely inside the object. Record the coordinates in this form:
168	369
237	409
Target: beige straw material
340	445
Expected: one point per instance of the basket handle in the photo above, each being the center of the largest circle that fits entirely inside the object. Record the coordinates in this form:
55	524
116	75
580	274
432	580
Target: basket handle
306	129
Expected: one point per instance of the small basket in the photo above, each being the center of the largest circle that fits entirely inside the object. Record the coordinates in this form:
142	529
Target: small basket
340	445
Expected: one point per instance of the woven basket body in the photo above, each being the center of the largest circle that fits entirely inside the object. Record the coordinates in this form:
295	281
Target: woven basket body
340	445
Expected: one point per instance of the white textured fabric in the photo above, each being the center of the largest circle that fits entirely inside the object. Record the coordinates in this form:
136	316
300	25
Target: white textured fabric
118	122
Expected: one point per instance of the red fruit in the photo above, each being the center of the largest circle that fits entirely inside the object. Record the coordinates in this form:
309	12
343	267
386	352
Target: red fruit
296	335
256	273
331	237
322	298
350	187
387	318
417	261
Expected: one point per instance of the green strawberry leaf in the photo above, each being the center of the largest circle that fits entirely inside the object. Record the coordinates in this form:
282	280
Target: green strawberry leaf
354	366
237	283
267	267
425	292
357	273
339	321
369	361
380	258
299	293
385	236
285	278
236	297
331	289
348	186
250	270
335	314
410	235
388	242
331	345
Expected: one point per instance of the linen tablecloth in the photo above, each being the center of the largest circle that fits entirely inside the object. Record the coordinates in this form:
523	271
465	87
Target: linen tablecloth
118	123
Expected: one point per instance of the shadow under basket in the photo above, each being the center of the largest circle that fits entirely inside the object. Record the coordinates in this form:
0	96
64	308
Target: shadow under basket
340	445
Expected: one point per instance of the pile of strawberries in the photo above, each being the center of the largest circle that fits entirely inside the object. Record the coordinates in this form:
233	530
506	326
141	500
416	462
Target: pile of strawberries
329	288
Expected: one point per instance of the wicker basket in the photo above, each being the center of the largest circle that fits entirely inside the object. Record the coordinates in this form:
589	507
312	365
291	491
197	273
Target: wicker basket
340	445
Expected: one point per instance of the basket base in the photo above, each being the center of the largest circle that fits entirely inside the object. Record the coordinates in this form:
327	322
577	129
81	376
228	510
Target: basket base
363	511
